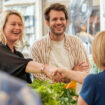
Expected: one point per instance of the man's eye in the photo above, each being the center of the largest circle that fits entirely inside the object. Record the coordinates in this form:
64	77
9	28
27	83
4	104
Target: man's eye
62	19
54	19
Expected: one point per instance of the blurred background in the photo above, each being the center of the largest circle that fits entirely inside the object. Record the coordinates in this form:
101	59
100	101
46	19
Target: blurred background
90	19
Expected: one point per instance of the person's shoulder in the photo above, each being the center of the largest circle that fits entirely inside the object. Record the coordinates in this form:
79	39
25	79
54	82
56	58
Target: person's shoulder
2	45
3	48
44	38
73	41
19	53
41	41
90	79
72	38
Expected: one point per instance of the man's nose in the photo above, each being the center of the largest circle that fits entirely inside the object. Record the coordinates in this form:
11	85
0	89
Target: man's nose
58	21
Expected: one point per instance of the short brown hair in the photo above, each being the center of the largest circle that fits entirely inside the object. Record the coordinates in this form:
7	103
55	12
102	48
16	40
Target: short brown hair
57	7
98	49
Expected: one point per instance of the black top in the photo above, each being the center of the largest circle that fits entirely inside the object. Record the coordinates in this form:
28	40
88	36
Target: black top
13	63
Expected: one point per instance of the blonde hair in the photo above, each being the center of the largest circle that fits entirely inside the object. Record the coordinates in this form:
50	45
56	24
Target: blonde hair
3	19
98	49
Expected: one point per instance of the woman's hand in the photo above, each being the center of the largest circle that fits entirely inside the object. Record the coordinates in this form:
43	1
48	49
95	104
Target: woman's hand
69	74
60	75
53	73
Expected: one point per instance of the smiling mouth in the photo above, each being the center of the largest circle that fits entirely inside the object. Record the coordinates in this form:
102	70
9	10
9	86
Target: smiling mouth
59	29
16	33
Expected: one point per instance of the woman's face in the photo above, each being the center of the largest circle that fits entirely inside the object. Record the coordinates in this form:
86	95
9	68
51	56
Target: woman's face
13	28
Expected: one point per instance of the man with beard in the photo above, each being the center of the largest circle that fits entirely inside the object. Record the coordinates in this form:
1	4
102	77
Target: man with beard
57	48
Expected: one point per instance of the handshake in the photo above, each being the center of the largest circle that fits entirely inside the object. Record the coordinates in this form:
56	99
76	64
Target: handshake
78	73
56	74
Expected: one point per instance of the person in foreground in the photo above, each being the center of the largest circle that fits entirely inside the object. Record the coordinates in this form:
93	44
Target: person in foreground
58	48
11	60
16	92
93	89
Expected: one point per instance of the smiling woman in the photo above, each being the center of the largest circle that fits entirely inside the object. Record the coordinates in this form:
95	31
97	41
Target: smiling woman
13	30
11	60
11	26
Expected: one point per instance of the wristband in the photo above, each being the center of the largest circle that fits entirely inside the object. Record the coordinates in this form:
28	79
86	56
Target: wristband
42	68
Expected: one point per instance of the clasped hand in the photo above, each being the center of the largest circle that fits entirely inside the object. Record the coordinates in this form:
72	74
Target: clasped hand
55	74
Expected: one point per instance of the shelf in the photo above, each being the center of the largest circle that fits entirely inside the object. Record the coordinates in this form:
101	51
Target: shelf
18	2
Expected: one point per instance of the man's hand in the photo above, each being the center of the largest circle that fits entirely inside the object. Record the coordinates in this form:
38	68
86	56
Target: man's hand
53	73
60	76
82	66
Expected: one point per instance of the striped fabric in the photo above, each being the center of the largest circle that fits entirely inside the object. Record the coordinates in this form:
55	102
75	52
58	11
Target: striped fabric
41	49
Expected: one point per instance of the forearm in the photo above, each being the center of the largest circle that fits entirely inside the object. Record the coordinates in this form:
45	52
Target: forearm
81	101
33	67
77	76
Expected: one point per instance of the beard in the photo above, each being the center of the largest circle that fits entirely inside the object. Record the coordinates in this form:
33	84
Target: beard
57	33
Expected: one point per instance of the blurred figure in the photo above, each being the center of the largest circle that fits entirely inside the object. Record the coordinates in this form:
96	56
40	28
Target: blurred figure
16	92
84	36
94	22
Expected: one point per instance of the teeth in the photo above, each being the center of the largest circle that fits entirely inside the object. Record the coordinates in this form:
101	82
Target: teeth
59	26
16	32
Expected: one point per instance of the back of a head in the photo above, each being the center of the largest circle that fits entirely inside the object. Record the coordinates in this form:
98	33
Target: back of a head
98	49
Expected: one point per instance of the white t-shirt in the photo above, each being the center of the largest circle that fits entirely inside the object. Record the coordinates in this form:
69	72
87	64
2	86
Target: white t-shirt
59	56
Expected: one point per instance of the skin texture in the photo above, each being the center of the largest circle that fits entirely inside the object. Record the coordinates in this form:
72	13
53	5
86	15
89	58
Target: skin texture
13	30
57	25
81	101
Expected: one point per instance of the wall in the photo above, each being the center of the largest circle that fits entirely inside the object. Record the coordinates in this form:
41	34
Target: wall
1	4
96	2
